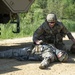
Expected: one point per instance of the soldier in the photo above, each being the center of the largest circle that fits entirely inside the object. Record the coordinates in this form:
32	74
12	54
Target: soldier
52	31
47	53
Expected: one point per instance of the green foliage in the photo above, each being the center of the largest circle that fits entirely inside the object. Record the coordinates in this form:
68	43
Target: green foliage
29	22
42	3
70	25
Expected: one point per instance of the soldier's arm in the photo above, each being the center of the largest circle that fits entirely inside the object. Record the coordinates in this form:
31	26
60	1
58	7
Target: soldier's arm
38	33
68	33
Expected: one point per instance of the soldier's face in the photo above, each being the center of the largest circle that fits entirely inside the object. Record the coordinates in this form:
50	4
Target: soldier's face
51	24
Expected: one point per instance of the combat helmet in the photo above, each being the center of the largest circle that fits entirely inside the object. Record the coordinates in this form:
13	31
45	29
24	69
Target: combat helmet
51	17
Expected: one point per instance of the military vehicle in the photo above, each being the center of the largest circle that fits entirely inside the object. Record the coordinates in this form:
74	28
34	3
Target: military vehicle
9	10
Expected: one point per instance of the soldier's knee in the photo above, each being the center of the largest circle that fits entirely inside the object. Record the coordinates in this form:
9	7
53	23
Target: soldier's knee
62	56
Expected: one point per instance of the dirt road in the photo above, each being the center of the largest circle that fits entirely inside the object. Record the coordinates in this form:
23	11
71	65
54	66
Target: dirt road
14	67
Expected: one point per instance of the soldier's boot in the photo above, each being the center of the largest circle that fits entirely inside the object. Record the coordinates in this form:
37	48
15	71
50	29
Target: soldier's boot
45	63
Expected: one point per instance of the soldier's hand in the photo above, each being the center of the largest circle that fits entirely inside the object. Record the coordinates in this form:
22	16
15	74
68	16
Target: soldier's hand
38	42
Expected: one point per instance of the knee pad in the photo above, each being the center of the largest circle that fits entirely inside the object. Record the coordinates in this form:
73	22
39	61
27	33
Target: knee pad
62	56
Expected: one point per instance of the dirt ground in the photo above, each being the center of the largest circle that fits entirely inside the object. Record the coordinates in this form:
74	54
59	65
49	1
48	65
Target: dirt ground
14	67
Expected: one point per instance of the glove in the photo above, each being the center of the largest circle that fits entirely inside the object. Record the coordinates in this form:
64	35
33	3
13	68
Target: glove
38	42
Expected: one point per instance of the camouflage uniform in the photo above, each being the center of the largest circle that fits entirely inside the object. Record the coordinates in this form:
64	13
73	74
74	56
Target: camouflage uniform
52	35
46	53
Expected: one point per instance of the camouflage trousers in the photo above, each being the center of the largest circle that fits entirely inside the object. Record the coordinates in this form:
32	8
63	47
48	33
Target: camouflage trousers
21	53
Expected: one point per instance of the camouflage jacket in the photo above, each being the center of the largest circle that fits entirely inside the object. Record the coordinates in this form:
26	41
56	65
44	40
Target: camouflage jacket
45	33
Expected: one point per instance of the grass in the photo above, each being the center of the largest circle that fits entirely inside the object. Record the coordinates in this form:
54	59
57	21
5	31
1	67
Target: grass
28	29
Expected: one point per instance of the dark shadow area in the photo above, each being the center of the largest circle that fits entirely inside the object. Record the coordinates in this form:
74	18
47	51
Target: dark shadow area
68	43
71	59
18	45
